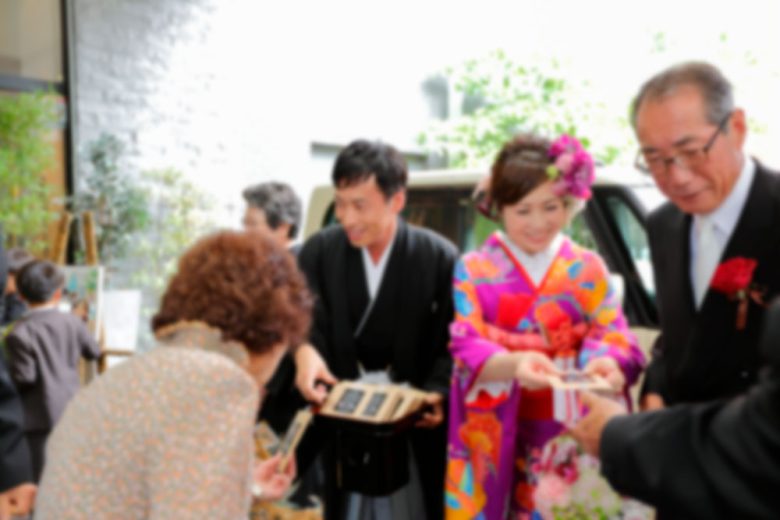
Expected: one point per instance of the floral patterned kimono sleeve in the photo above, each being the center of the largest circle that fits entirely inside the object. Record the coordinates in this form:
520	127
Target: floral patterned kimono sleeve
608	334
483	416
468	344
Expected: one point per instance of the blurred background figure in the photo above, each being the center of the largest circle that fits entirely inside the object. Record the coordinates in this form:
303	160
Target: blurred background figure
273	206
44	348
17	492
14	307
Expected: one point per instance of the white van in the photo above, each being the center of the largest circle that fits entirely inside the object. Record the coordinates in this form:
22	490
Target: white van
613	223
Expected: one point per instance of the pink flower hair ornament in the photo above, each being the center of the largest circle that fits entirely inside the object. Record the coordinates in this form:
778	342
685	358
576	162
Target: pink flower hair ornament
572	170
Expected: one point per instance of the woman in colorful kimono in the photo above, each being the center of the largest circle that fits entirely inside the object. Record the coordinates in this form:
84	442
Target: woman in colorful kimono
530	303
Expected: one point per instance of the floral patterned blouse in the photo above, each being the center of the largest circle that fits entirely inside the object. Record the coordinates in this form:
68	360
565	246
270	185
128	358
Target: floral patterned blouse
165	435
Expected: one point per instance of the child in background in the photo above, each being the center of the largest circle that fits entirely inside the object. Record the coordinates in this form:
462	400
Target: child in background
44	349
14	307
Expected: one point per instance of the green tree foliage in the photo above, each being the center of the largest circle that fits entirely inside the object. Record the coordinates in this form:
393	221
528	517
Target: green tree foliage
116	200
181	214
27	122
502	98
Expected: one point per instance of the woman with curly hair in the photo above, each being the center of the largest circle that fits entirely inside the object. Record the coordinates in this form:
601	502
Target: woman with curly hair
529	304
168	434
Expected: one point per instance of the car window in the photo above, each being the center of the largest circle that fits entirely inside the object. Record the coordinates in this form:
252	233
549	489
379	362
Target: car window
446	210
649	196
635	238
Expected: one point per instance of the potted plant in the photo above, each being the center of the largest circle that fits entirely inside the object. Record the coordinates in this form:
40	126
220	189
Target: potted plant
26	152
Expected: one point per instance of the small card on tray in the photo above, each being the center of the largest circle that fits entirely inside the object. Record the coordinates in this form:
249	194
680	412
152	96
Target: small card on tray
578	380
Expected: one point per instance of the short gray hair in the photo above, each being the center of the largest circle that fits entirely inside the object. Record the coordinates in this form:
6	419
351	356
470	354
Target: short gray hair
714	87
279	203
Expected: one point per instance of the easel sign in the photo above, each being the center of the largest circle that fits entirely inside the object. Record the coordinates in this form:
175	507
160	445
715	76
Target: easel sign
121	318
82	294
83	289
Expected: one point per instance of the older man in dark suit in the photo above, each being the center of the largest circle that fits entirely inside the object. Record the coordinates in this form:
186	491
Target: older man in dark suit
715	245
716	252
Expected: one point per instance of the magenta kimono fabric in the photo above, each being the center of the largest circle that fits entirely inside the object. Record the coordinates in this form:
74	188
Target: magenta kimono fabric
497	430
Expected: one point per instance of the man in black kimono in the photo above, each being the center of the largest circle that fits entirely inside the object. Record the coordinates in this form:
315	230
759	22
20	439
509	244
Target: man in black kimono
383	290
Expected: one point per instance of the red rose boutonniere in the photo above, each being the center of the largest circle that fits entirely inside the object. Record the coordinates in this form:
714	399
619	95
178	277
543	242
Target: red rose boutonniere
734	278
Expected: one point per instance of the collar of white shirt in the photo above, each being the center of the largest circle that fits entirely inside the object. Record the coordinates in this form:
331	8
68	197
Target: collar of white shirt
35	310
375	272
536	265
726	216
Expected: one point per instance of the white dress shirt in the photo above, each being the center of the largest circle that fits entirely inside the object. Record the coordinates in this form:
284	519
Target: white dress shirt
724	219
375	272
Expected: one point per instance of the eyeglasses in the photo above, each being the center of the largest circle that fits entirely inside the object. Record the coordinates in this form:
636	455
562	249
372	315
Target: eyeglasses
689	159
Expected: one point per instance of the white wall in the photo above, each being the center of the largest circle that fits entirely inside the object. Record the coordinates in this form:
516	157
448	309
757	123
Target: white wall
146	71
234	93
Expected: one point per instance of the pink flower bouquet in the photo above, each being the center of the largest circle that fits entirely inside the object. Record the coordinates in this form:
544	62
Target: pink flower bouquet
570	487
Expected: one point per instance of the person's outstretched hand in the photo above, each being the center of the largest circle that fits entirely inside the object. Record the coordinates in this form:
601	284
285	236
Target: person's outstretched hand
534	370
17	501
651	401
609	369
589	429
271	480
310	370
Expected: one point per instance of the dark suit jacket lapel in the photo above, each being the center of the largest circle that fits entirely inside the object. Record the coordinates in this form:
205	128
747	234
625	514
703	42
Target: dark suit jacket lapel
671	258
711	334
677	277
753	227
685	283
356	287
